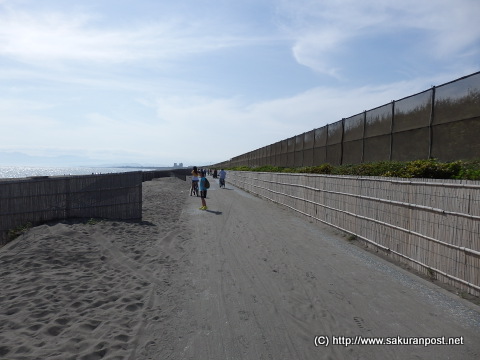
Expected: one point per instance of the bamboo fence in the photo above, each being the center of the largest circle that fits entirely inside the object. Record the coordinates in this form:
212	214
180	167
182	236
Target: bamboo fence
39	199
155	174
431	225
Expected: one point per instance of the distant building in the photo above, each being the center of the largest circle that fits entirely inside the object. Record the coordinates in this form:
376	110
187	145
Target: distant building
180	165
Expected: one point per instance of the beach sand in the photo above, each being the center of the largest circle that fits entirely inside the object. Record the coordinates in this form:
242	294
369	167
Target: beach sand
246	279
91	289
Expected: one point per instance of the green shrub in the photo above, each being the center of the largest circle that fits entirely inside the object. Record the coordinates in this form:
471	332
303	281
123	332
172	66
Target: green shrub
469	174
432	169
19	230
240	168
268	168
429	168
321	169
470	170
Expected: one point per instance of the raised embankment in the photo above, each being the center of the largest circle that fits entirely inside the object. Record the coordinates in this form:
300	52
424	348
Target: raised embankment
38	199
431	225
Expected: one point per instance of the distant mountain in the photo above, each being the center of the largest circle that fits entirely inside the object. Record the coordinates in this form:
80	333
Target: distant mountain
16	158
21	159
119	165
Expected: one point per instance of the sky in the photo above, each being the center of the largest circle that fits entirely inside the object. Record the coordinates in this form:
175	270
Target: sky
157	82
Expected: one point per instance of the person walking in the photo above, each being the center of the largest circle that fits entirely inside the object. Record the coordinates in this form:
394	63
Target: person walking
223	175
195	179
203	190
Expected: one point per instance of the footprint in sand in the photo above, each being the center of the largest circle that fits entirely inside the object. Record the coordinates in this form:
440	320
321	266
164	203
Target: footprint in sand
122	338
91	325
134	307
54	330
4	350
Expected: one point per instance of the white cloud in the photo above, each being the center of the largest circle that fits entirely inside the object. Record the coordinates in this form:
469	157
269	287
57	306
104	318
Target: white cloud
315	50
14	105
324	31
54	36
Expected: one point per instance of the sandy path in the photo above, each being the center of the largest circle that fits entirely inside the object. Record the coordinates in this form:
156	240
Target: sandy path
244	280
263	282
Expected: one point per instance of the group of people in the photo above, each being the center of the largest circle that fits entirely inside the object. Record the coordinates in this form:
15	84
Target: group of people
199	183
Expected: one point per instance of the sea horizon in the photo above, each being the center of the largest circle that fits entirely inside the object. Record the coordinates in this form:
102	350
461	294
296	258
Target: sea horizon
13	172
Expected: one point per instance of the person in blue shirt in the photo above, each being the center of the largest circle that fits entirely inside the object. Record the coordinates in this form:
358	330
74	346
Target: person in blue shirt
223	174
203	191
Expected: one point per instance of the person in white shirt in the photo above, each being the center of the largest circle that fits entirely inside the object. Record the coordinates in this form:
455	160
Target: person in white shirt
195	179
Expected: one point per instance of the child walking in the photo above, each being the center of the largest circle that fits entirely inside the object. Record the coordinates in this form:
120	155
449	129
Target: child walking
203	190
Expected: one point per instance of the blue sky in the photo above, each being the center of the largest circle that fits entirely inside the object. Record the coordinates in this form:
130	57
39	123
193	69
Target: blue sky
198	81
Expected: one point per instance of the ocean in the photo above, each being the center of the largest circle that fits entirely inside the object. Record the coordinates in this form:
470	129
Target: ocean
7	172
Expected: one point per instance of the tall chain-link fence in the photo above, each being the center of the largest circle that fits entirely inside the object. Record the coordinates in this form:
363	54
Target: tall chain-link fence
442	122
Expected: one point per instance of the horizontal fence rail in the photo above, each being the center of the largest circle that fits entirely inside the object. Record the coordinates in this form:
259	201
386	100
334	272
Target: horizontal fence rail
431	225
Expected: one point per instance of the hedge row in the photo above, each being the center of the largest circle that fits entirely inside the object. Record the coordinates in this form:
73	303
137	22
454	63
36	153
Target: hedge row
430	168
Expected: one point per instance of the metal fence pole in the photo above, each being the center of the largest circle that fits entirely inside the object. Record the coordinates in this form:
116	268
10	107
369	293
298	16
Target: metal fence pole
430	125
363	135
341	141
391	130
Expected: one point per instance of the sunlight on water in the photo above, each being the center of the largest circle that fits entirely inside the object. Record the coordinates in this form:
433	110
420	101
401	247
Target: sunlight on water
27	171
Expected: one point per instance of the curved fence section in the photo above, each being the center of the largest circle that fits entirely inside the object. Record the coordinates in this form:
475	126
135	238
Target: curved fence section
39	199
431	225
